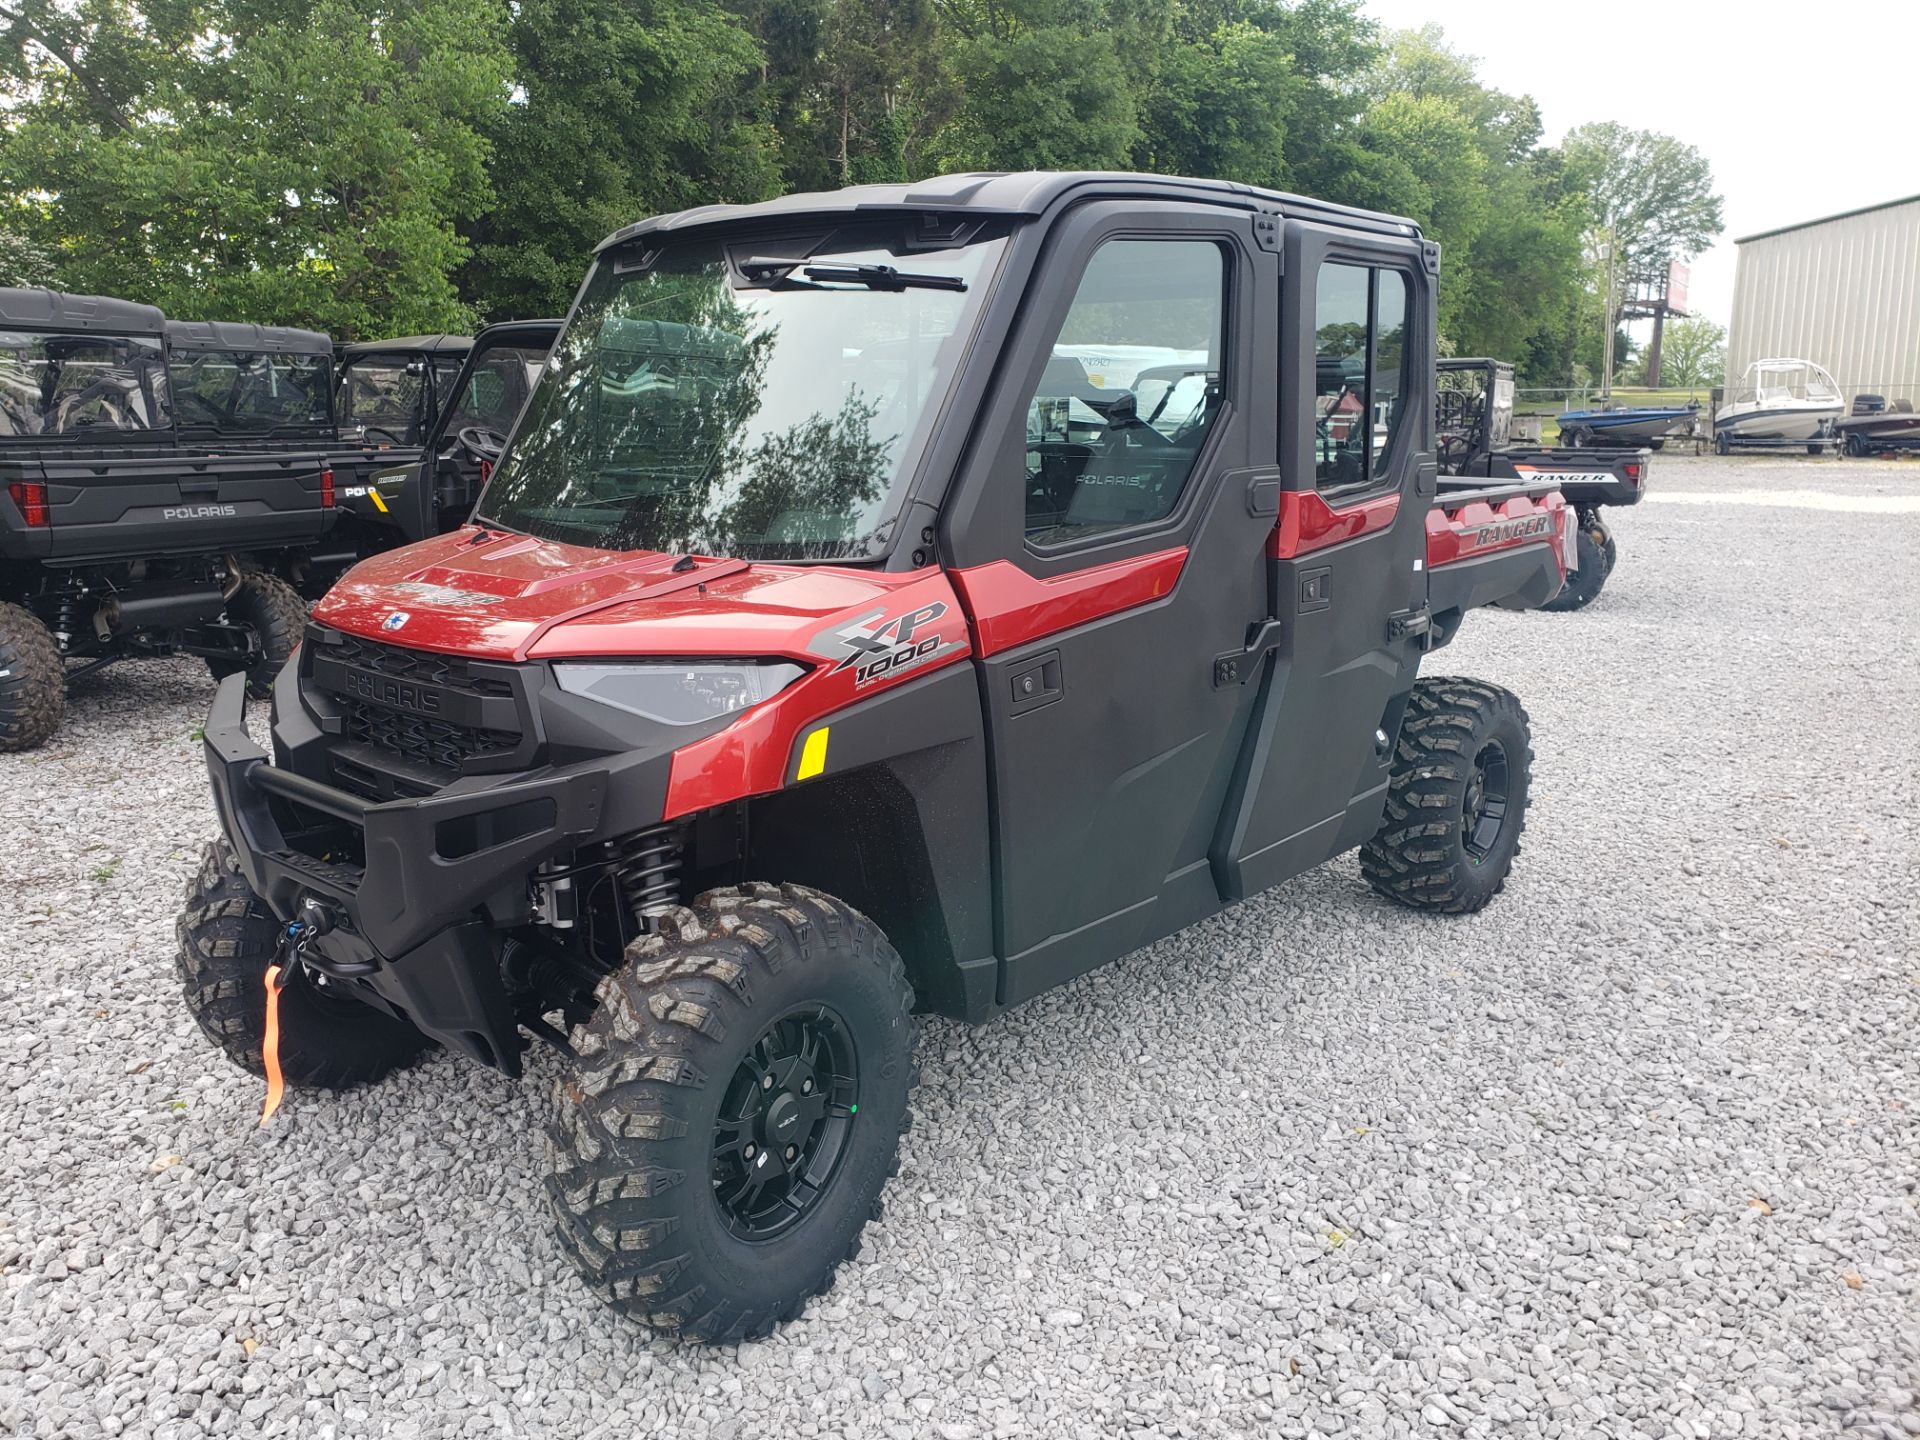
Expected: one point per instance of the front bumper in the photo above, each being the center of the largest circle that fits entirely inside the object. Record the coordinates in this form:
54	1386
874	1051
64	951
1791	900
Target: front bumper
416	925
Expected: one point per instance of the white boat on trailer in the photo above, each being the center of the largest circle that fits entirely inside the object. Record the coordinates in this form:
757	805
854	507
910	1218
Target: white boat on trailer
1781	401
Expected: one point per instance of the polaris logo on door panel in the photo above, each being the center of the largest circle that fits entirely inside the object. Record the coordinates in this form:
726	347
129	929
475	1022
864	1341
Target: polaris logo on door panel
199	512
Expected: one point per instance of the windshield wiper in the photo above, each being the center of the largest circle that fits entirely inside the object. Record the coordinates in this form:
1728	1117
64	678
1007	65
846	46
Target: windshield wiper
875	277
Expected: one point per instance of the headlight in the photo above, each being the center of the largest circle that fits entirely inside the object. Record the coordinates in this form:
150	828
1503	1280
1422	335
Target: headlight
678	694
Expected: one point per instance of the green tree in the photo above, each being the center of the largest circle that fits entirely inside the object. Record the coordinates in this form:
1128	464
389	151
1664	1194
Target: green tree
1219	105
1334	50
289	161
22	261
852	91
1693	351
881	87
620	109
1526	269
1042	84
1465	160
1652	193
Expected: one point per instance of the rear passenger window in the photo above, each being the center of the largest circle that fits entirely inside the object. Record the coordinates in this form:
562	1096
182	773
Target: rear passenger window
1130	392
1389	362
1360	359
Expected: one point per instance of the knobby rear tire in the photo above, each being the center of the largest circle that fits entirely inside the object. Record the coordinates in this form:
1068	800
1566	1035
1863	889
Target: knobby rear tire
1584	585
33	680
1419	855
274	611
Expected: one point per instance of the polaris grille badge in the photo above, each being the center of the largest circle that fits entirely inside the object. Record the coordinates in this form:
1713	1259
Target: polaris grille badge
395	620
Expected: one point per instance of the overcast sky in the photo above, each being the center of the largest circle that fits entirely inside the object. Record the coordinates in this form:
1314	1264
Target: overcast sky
1802	111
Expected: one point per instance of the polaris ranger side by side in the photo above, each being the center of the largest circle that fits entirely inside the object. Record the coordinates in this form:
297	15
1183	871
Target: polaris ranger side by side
117	537
388	389
910	595
435	492
388	399
268	389
391	391
1473	438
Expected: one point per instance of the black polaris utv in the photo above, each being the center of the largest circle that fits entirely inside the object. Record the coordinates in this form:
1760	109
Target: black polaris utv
270	389
391	391
910	596
388	398
1473	438
418	497
119	537
400	400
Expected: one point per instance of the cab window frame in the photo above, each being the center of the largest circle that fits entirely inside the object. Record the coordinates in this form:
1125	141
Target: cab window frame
1060	554
1381	470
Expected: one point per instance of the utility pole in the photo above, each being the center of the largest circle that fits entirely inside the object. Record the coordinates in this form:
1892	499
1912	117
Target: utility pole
1606	314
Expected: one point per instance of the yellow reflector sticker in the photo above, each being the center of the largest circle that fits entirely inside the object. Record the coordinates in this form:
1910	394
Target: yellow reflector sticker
813	755
373	494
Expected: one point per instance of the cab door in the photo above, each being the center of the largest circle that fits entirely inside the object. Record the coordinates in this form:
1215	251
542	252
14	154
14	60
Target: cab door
1347	555
1108	542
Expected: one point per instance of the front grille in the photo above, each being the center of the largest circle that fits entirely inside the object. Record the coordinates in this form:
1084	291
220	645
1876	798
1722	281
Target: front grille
474	690
421	667
418	738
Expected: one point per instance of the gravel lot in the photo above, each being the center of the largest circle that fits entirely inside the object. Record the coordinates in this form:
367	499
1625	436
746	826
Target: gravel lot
1632	1153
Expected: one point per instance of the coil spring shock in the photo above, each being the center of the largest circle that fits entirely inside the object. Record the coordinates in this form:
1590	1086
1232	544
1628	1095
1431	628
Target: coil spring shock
648	864
68	616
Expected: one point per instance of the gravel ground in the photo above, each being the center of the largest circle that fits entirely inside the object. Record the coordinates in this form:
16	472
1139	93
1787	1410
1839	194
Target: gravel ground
1632	1153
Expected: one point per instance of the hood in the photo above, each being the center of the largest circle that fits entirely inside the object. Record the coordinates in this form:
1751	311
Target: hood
496	596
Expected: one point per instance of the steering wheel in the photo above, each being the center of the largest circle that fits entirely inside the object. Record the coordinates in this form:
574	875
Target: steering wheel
485	443
367	432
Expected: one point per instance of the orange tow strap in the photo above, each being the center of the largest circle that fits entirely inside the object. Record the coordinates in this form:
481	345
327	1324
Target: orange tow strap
270	1047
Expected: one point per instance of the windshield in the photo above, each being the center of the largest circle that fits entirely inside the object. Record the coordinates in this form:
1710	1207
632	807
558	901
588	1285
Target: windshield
496	387
383	393
690	410
81	384
1785	382
235	391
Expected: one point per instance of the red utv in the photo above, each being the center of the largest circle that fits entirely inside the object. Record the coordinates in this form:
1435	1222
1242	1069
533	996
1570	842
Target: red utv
907	597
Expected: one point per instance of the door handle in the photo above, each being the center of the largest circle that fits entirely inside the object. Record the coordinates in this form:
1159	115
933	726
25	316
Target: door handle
1037	682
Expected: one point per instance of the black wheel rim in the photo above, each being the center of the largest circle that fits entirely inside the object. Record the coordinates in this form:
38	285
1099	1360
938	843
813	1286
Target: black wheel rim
784	1123
1484	814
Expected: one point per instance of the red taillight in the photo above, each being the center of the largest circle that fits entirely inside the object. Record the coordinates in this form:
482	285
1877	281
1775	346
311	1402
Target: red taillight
1633	471
31	497
486	471
326	489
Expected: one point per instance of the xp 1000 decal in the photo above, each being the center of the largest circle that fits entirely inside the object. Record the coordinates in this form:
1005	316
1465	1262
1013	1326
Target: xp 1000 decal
876	644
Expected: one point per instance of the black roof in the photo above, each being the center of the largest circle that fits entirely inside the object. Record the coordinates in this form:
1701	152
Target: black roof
201	335
1028	193
429	343
517	329
81	314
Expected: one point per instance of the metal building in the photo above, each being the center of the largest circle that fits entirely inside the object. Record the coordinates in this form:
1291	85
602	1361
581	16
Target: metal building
1843	292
